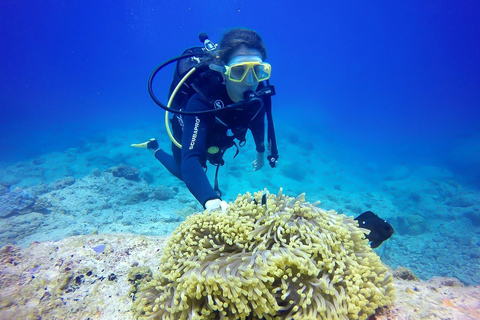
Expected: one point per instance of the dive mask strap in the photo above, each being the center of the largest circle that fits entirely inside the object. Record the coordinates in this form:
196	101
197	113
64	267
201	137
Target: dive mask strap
216	67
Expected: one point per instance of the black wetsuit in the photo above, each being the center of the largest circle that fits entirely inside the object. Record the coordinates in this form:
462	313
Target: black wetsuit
210	130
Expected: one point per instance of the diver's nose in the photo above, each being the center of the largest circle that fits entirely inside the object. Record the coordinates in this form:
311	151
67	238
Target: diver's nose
249	78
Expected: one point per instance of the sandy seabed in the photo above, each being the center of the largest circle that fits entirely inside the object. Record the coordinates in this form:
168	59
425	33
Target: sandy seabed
86	277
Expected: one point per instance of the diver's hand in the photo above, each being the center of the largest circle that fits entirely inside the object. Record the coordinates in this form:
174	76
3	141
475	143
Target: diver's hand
259	162
152	145
216	204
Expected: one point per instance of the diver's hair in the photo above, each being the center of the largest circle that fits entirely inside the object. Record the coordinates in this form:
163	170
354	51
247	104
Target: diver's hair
236	38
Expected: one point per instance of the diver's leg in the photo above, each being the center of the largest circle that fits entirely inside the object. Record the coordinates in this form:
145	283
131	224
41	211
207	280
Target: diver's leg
171	163
177	155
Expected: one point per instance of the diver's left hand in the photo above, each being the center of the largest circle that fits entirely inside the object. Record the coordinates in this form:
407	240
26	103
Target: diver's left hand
259	162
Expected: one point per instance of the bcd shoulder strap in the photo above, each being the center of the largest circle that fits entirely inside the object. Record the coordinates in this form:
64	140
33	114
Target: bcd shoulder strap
272	141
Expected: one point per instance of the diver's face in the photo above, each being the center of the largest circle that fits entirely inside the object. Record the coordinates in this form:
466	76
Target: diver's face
236	89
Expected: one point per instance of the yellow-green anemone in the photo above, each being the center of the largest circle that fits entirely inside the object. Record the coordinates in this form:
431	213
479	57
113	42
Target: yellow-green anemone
287	259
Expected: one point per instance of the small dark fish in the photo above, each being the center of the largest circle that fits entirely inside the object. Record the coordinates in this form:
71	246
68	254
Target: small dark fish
380	230
264	198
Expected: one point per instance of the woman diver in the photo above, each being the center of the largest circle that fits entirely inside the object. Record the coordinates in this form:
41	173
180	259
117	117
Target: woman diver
238	70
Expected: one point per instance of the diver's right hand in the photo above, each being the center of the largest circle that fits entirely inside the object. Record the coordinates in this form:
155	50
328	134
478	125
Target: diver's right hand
152	145
215	204
258	163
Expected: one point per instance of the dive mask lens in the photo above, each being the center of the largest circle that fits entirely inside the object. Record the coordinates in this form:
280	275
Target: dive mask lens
262	71
237	72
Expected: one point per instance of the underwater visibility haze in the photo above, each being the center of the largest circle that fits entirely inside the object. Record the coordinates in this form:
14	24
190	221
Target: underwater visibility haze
399	78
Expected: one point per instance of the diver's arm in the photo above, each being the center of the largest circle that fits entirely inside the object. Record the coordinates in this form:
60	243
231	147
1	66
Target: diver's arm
194	149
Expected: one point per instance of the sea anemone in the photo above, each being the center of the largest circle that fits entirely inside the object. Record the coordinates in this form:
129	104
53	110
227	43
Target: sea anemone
273	258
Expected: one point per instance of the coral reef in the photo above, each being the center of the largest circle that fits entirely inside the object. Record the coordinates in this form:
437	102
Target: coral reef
267	257
162	193
127	172
73	278
16	202
404	274
31	282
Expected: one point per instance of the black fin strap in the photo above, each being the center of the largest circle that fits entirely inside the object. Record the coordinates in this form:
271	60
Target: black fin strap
272	141
215	187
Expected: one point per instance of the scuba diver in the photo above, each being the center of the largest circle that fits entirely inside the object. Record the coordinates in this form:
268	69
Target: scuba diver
218	93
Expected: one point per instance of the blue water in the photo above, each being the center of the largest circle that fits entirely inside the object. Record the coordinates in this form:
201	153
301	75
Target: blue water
396	80
376	84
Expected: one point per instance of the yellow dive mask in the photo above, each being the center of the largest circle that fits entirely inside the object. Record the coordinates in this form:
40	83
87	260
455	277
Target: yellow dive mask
237	72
